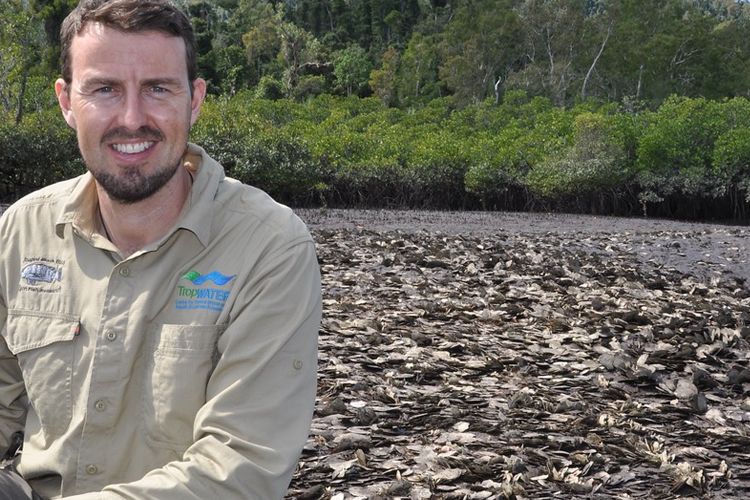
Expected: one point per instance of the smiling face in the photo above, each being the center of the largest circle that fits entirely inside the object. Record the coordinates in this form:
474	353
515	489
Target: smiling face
130	103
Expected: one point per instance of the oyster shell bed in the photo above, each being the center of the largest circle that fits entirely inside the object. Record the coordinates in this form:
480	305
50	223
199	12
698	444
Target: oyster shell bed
495	355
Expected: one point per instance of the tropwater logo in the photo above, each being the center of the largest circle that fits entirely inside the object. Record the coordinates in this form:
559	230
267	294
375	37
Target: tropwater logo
203	298
197	279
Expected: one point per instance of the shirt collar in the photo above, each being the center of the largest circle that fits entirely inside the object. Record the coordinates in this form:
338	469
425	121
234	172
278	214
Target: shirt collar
81	209
207	175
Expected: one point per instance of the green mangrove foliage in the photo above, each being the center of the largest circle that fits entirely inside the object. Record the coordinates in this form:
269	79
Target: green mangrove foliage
38	151
689	158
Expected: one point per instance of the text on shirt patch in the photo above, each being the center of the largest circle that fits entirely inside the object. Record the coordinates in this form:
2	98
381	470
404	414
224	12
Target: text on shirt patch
206	298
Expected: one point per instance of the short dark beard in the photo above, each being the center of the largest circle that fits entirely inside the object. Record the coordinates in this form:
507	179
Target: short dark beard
133	186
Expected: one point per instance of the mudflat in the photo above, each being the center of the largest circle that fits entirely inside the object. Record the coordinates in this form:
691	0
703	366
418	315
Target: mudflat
509	355
707	250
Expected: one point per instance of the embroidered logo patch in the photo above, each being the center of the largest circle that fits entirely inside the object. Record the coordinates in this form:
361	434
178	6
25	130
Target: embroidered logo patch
197	279
39	272
203	298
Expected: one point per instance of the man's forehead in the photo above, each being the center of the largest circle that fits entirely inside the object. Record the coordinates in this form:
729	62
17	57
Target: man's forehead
104	32
98	44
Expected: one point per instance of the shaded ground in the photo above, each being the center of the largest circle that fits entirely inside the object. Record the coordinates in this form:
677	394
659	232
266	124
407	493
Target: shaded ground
481	355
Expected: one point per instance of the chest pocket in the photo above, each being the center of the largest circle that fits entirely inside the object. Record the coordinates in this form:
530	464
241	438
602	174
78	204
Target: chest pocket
43	345
178	371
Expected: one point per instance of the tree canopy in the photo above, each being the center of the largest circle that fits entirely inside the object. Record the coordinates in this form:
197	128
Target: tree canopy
409	52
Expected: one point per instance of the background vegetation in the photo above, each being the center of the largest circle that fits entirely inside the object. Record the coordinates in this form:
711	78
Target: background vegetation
601	106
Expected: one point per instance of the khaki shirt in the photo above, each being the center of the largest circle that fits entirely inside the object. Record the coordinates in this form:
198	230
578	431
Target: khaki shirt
187	370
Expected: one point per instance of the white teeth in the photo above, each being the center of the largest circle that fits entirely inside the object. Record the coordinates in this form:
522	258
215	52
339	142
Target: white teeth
132	148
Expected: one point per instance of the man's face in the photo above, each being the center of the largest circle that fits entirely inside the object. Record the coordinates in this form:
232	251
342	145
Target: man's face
130	104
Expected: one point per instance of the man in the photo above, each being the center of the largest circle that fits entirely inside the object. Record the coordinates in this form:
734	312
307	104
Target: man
158	320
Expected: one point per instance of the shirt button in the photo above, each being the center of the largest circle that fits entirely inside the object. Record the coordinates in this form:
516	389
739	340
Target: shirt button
297	364
111	336
100	405
91	469
124	272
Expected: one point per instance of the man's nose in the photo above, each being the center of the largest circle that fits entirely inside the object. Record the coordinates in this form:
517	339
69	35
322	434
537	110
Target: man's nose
133	114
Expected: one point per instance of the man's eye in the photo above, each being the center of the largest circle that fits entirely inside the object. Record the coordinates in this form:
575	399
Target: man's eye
104	90
158	90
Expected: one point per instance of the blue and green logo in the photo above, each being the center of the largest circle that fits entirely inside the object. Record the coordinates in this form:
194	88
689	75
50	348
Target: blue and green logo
198	279
203	298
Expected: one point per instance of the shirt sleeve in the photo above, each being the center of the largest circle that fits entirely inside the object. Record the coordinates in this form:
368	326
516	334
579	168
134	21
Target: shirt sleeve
13	399
260	397
12	388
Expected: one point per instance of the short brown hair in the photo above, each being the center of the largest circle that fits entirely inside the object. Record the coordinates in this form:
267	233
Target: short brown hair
130	16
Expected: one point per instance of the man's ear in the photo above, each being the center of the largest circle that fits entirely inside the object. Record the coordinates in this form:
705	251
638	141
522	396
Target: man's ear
63	98
199	93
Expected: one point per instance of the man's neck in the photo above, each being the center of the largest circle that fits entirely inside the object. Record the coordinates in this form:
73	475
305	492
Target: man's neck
133	226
